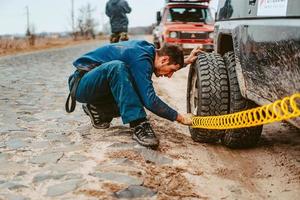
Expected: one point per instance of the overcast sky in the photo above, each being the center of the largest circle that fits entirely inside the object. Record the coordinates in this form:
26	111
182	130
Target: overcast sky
55	15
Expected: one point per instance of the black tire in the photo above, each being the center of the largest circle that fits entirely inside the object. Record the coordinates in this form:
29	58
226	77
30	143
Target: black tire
238	138
207	93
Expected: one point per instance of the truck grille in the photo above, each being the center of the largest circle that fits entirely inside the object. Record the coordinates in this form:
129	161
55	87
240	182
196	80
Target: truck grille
185	35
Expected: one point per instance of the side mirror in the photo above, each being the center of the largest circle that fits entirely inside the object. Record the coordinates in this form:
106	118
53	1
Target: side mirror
158	17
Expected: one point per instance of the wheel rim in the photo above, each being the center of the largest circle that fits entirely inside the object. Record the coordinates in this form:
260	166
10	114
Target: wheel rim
194	94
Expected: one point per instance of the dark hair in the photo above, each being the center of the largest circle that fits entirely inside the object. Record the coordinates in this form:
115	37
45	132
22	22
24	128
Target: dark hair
175	53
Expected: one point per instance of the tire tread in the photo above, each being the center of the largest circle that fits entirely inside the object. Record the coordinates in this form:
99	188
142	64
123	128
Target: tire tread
213	93
245	137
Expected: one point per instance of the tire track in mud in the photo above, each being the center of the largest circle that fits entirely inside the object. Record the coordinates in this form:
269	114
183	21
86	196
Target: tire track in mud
237	169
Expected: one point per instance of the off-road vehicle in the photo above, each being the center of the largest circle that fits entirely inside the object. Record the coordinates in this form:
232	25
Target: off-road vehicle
187	23
256	60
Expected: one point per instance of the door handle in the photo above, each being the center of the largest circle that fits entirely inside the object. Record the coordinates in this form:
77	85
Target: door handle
252	2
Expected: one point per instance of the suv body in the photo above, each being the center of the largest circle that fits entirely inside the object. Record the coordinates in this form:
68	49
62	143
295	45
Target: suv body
256	61
265	38
186	23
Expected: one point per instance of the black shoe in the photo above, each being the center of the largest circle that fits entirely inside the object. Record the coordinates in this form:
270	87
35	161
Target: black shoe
97	120
145	136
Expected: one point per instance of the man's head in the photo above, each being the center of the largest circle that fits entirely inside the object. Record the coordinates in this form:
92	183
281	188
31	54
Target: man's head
169	58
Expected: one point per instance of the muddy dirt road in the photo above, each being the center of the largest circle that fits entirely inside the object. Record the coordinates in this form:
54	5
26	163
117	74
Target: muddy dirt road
48	154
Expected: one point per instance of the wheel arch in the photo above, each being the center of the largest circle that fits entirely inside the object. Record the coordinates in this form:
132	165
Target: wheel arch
224	44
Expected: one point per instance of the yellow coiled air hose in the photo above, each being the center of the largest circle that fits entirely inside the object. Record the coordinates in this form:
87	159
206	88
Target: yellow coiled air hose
284	109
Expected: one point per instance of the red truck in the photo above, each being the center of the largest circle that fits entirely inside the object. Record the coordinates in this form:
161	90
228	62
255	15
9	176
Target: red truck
188	23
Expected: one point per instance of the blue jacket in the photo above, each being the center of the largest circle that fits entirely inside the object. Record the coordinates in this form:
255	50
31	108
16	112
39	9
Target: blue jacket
139	57
116	10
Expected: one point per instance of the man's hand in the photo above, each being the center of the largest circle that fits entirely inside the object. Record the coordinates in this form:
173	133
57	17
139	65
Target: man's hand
193	55
185	119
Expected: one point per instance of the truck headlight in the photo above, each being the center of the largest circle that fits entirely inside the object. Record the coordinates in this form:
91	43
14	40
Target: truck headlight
173	34
211	35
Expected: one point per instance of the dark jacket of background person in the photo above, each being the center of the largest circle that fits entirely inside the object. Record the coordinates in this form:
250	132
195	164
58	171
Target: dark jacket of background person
116	10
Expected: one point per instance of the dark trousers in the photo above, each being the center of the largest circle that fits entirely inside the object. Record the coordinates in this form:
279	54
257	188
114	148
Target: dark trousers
118	36
110	86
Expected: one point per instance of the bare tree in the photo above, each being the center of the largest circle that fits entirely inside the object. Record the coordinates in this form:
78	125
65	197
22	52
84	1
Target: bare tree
86	23
30	30
73	21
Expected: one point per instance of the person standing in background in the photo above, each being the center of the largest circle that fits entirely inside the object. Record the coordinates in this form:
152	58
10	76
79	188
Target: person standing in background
116	10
